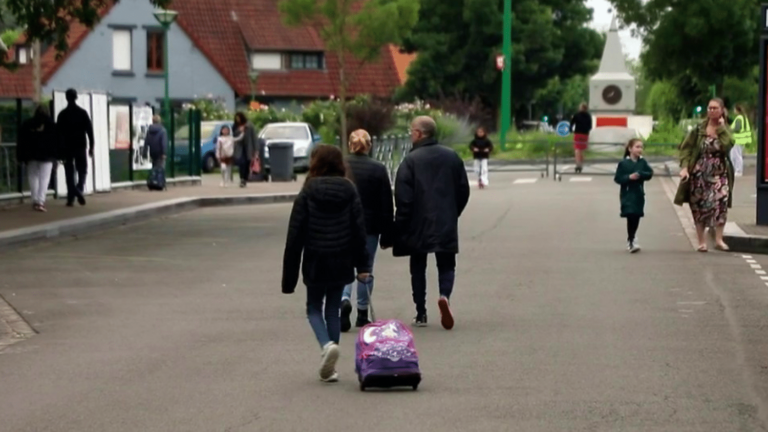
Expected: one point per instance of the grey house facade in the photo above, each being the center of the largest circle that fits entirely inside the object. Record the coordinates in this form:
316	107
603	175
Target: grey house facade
122	56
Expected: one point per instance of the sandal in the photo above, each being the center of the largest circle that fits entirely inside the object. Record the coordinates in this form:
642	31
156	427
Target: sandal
702	249
723	248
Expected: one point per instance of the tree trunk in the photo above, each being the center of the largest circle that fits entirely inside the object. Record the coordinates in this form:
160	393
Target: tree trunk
36	74
343	102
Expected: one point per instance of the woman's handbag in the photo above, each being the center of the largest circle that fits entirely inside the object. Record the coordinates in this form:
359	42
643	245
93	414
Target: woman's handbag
256	165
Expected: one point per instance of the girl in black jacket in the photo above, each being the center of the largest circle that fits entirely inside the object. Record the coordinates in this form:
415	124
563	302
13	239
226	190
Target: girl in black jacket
326	226
481	148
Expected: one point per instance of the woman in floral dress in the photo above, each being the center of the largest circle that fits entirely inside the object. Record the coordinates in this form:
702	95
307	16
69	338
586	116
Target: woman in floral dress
707	174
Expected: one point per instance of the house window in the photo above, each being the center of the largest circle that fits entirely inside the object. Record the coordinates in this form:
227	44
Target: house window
121	50
155	53
23	54
266	61
307	61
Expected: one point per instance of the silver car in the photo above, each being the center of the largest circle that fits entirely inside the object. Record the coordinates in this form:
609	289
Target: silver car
302	135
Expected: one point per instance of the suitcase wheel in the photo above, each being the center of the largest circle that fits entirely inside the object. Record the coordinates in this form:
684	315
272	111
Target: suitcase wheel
362	387
415	387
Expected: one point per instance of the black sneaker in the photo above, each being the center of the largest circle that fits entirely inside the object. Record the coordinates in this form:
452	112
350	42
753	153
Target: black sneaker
346	311
362	318
81	199
420	320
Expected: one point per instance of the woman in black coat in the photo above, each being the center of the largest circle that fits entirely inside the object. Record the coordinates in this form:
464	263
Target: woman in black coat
372	180
38	148
327	227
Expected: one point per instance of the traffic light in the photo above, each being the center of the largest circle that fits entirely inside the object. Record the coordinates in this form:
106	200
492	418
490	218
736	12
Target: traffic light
545	119
698	109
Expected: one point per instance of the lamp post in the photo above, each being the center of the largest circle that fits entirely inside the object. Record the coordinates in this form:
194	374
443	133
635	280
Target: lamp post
253	75
506	79
166	18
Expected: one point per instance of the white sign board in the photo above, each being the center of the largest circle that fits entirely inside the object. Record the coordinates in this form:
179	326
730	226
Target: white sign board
142	119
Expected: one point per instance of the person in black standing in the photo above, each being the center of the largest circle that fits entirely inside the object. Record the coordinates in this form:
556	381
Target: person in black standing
581	124
245	146
431	192
74	126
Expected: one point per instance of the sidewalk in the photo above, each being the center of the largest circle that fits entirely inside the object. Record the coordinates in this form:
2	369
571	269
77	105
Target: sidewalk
20	225
22	216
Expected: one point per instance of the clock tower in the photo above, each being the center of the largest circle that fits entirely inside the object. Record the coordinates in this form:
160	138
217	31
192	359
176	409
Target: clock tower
612	89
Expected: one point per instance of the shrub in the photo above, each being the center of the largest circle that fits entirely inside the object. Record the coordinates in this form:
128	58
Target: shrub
376	116
264	115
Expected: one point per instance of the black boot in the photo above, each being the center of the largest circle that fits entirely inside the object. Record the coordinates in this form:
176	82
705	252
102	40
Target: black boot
362	318
346	311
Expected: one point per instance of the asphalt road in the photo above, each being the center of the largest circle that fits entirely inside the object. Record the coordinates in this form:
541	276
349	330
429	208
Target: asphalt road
179	325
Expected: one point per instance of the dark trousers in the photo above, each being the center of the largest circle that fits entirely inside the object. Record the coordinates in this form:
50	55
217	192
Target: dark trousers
633	223
244	164
77	163
446	270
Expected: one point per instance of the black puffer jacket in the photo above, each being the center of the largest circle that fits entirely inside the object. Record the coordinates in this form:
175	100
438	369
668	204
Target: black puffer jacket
431	192
375	190
328	227
38	140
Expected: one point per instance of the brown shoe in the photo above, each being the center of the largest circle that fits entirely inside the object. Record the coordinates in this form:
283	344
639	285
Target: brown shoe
446	317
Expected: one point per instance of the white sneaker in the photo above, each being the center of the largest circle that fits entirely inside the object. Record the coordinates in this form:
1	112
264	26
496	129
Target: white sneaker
328	364
634	247
332	379
221	184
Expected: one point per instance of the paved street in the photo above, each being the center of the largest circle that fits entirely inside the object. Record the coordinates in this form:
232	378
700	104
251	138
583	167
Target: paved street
178	324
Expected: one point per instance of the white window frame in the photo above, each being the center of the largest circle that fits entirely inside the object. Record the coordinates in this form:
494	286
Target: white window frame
119	62
266	61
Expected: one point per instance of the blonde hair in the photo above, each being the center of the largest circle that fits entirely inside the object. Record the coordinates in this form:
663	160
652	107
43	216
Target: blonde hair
359	142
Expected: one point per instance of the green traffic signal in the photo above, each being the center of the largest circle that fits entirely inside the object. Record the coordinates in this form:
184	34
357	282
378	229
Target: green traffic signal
698	109
545	119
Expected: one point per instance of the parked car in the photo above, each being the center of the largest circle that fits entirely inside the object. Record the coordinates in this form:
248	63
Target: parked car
302	135
209	131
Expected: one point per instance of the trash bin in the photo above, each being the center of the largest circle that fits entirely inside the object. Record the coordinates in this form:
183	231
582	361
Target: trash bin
281	162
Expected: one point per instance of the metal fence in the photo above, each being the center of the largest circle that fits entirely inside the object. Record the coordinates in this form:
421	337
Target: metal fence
601	159
389	150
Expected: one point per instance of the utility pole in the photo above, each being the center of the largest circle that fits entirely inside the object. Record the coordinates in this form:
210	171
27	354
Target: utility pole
506	80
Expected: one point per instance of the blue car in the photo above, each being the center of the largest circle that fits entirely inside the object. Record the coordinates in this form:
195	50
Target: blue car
209	131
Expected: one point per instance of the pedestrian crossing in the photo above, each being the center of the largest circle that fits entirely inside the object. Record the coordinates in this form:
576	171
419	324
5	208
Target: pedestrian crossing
525	181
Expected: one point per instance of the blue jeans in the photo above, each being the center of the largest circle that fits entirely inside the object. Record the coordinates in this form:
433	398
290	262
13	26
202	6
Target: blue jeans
326	324
371	243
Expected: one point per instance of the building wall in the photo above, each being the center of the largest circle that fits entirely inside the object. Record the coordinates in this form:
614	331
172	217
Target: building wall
89	68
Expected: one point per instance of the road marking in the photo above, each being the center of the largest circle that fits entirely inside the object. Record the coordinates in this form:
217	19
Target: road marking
760	272
693	303
525	181
686	310
765	278
751	261
756	266
747	256
580	179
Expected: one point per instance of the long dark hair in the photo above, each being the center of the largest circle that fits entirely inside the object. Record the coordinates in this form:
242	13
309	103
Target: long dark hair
326	161
629	145
240	118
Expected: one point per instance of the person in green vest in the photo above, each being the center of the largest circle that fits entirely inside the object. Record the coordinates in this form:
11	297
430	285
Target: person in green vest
742	136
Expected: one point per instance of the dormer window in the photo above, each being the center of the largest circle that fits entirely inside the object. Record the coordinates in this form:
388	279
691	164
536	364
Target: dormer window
266	61
23	54
307	61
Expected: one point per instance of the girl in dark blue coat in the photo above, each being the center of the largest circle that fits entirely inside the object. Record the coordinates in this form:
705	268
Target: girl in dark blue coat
631	174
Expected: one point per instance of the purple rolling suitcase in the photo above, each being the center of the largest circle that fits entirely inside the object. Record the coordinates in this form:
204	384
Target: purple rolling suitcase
386	356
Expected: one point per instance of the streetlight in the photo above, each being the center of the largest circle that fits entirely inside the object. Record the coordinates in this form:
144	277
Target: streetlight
253	75
506	80
166	18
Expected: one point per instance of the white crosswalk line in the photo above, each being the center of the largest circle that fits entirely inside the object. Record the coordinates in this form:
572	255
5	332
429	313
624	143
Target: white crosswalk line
580	179
525	181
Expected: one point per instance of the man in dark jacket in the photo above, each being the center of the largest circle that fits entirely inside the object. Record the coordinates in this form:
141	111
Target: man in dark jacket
74	126
431	192
157	142
245	147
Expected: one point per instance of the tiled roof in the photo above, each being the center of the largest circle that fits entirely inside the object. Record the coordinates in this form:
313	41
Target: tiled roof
402	62
227	30
18	84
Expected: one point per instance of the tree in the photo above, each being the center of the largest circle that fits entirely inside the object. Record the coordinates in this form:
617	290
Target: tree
457	43
49	20
360	28
703	40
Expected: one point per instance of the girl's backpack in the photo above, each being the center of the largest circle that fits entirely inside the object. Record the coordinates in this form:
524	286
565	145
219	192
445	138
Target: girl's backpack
386	356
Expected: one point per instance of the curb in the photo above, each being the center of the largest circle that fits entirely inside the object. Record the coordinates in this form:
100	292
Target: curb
739	241
115	218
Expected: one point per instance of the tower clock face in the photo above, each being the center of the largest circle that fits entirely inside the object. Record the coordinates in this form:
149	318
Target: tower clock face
612	95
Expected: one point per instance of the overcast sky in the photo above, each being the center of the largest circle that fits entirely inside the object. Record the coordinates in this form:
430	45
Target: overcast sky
601	21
